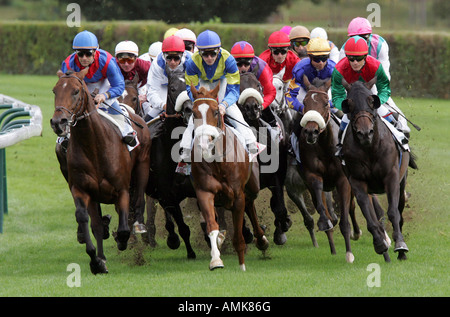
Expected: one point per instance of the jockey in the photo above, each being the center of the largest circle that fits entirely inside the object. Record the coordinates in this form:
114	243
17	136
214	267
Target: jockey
358	65
104	74
189	39
379	49
320	32
126	56
318	65
209	66
153	50
246	61
172	57
299	37
279	57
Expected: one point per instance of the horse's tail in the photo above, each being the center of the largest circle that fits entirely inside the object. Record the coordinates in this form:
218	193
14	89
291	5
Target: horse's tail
412	161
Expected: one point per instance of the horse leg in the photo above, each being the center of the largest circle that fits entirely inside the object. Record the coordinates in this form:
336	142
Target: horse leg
261	241
316	190
330	208
345	197
282	221
238	220
138	199
373	226
206	204
173	240
151	209
183	229
295	188
123	230
356	233
379	212
98	264
393	195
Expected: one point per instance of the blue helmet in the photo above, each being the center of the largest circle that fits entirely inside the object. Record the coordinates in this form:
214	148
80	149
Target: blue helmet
208	39
85	41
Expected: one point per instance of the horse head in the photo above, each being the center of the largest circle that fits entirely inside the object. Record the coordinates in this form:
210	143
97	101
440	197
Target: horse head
279	103
208	121
130	95
250	99
361	108
175	86
72	101
317	109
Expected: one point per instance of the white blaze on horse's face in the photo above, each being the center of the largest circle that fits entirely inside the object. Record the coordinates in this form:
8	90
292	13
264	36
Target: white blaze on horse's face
124	94
205	133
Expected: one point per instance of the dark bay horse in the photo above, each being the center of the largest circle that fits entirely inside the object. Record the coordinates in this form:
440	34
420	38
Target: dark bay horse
99	166
168	187
273	160
222	174
320	169
374	165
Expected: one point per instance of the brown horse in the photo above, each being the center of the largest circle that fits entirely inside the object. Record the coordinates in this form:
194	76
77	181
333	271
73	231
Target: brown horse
374	164
99	166
222	174
130	96
320	168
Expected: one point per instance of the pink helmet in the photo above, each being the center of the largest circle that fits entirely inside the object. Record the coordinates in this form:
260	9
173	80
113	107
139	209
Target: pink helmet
359	26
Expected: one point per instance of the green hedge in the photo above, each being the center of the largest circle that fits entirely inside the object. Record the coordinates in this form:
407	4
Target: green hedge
419	61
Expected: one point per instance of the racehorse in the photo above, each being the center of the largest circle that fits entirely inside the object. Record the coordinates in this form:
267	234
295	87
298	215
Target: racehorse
320	169
164	185
99	166
374	164
275	164
222	174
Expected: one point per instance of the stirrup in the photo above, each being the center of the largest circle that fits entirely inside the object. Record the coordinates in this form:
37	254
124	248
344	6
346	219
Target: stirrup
130	139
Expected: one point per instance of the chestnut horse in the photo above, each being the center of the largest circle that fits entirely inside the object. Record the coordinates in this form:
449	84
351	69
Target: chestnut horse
130	96
374	164
222	174
99	166
320	169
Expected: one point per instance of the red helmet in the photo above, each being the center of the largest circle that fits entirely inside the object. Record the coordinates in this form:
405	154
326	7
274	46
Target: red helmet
356	46
242	49
279	39
173	44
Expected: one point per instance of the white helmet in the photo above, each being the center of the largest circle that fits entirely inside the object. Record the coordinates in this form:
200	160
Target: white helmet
154	49
319	32
127	47
186	35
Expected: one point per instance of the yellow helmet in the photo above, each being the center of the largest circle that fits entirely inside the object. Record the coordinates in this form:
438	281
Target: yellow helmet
318	46
170	32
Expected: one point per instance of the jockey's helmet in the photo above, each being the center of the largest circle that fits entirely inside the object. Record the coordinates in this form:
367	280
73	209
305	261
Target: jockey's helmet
279	39
286	29
318	46
127	47
173	44
242	49
208	39
359	26
170	32
154	49
186	35
356	46
299	31
319	32
85	40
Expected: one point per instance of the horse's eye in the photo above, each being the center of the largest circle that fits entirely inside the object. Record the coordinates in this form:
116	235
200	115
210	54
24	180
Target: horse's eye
76	91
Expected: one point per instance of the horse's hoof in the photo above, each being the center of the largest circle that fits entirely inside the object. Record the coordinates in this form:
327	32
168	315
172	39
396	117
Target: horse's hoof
262	244
387	259
173	241
279	237
191	255
349	257
139	228
355	235
216	264
98	267
401	246
381	247
122	240
402	256
324	225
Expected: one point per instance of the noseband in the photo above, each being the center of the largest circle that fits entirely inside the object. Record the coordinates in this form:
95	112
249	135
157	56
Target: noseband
77	114
363	114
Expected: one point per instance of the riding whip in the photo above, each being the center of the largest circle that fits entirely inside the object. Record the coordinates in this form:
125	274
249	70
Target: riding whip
126	117
401	114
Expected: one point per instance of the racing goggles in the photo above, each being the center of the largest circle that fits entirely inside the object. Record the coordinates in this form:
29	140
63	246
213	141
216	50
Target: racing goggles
125	58
172	57
211	53
87	53
189	45
357	58
302	42
320	58
278	51
243	62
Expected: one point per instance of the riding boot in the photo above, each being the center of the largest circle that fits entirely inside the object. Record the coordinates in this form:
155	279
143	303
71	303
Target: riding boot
339	145
130	139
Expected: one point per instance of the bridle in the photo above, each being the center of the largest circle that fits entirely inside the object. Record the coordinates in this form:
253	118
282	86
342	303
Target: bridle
78	113
362	114
328	118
